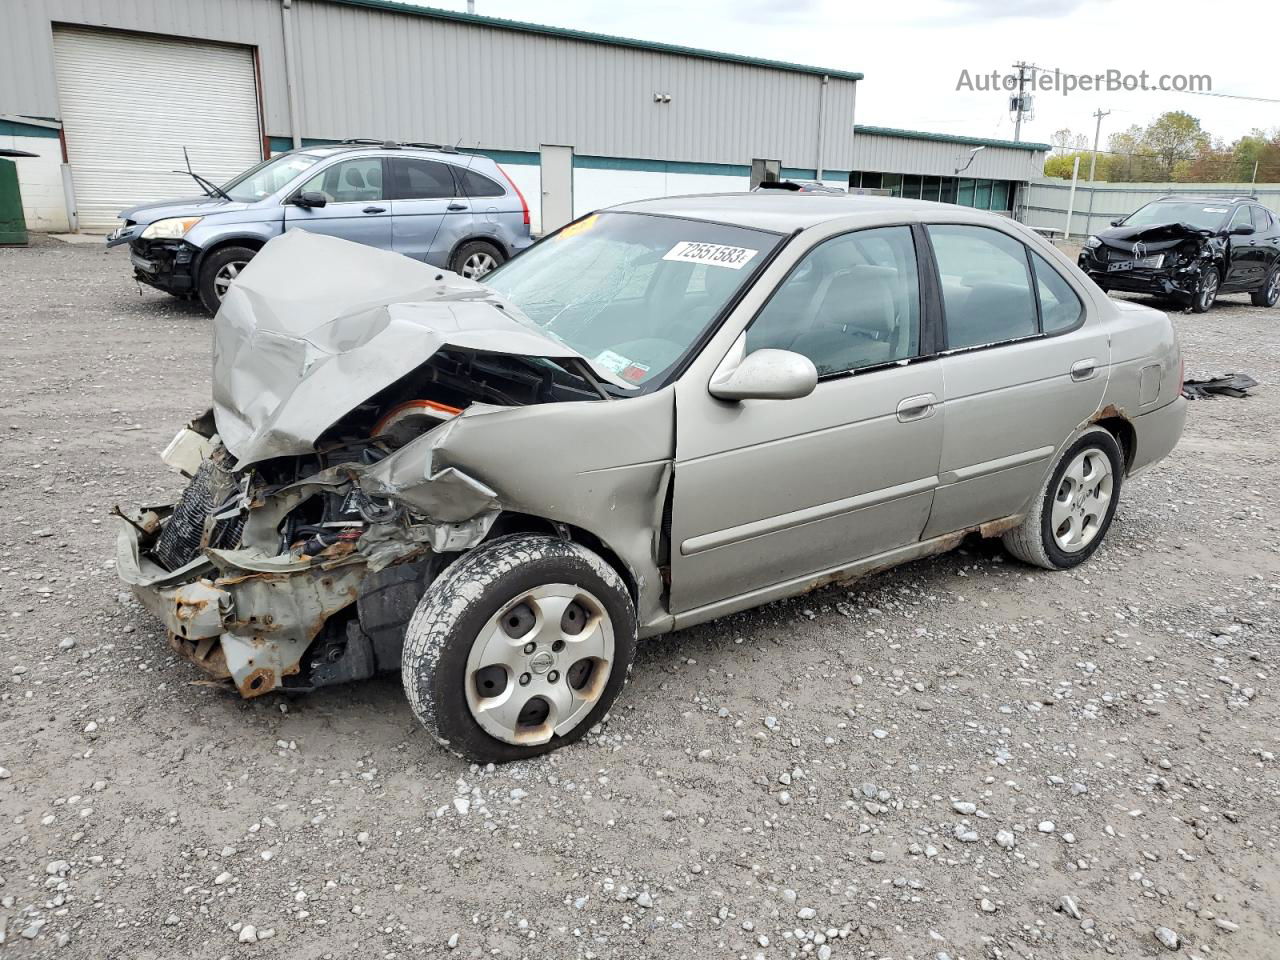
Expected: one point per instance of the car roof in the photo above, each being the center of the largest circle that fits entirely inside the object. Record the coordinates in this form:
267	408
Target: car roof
1205	198
784	211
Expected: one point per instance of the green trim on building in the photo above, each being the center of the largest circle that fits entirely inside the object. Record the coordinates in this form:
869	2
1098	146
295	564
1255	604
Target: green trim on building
802	173
947	138
660	166
285	144
11	128
525	157
521	26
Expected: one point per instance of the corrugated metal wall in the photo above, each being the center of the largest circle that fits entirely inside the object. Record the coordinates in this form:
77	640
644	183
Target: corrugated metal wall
377	73
935	158
1045	201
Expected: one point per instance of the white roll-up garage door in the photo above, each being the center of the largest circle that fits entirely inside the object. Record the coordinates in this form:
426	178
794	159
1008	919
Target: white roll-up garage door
131	102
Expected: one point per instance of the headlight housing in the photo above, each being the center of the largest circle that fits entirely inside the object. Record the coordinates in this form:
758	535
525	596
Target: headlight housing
174	228
1092	242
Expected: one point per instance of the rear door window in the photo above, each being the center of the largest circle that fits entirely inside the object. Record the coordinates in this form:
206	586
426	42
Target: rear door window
1261	219
423	180
987	294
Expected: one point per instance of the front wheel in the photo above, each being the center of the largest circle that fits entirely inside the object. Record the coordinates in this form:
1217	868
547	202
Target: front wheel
476	258
1270	290
518	648
1073	510
1204	297
218	272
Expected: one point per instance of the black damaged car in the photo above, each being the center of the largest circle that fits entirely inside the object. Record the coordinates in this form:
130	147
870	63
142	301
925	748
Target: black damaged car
1190	249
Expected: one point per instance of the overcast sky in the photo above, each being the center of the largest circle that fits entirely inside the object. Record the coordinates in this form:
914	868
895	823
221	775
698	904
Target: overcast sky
913	53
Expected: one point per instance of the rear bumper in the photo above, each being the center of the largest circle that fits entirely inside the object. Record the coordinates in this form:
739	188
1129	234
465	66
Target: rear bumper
1157	434
168	265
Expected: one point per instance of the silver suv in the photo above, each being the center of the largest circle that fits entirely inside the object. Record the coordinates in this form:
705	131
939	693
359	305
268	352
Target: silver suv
452	210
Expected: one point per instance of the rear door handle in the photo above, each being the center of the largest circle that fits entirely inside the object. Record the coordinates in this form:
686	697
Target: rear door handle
917	408
375	209
456	206
1084	369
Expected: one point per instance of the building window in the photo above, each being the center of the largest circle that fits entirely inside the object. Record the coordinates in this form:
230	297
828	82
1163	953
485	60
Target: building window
948	190
1000	195
930	188
911	187
891	182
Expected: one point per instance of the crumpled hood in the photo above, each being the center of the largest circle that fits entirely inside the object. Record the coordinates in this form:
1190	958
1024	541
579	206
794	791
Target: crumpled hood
1154	238
315	326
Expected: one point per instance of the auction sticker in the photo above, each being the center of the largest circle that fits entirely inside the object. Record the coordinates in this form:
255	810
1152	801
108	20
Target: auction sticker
633	371
714	254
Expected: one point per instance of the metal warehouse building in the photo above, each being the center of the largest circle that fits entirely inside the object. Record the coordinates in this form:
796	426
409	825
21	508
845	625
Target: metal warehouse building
579	120
108	94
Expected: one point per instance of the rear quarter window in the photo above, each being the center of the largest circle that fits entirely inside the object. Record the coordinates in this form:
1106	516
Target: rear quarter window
477	184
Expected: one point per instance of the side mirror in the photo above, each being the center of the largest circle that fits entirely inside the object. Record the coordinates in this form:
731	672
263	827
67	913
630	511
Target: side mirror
310	198
765	375
1242	230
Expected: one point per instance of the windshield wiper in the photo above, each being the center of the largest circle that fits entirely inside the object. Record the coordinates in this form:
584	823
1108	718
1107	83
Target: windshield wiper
210	188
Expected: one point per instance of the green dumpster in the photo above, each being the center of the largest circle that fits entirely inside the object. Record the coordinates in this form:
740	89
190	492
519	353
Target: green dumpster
13	225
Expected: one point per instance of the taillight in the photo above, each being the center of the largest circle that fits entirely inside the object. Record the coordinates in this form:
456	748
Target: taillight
523	204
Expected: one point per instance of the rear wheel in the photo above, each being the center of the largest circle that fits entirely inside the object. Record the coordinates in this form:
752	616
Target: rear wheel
219	271
1074	509
1269	292
1207	292
518	648
475	258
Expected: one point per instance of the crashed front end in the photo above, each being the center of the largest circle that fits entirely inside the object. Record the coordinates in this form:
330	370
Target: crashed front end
1167	260
322	496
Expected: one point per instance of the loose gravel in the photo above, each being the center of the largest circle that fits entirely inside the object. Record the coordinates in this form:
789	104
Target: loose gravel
964	758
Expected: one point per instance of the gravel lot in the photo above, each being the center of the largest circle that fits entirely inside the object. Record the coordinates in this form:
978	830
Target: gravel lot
963	758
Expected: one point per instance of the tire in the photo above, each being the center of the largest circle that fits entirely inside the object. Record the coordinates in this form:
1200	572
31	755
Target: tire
485	604
214	270
1207	292
1037	539
475	258
1269	292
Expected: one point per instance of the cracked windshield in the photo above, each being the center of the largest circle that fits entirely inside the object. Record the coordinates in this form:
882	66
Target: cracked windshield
632	292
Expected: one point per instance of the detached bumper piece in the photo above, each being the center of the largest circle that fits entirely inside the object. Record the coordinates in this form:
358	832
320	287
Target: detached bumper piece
1235	385
167	265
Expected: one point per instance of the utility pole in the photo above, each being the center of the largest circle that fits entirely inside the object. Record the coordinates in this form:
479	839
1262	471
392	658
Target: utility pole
1022	69
1097	133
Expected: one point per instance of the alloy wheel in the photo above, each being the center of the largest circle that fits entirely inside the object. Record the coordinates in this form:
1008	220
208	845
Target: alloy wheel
223	279
540	664
1209	290
477	265
1081	500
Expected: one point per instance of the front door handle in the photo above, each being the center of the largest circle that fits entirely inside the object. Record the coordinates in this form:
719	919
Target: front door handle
456	206
1084	369
917	408
375	209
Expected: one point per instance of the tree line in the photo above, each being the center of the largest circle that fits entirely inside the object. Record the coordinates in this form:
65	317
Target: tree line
1172	148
